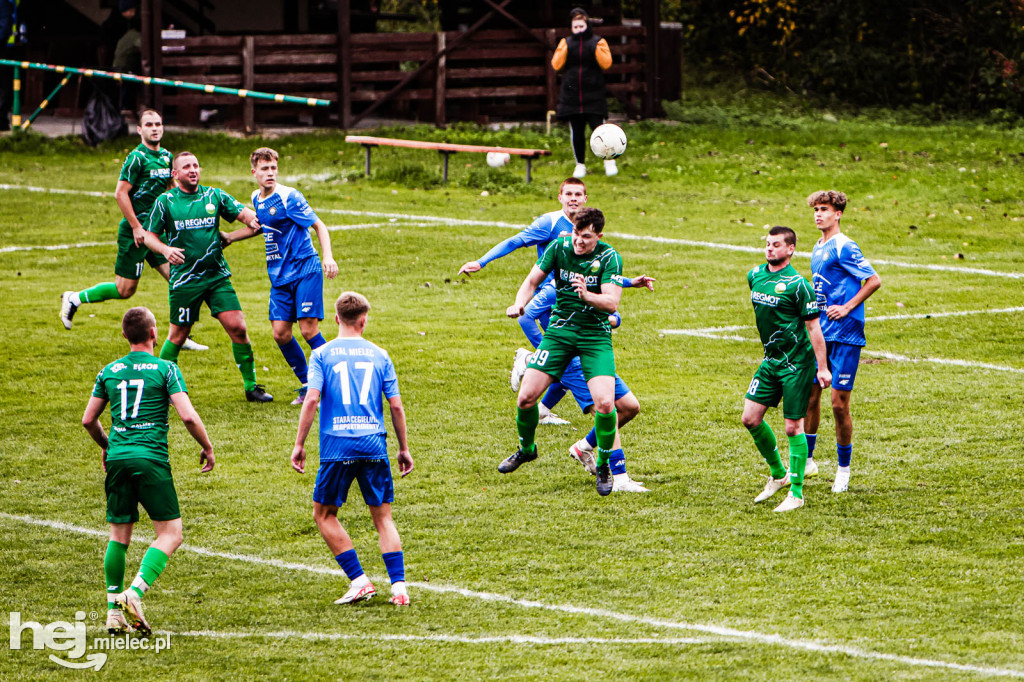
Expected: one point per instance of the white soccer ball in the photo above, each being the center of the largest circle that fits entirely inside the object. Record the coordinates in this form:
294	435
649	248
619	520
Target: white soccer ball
608	141
497	159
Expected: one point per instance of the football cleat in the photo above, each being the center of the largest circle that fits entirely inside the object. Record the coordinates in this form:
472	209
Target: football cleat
116	622
258	395
549	417
192	344
622	483
790	503
773	486
604	480
67	309
580	171
301	398
519	368
610	168
584	454
811	469
517	458
842	482
355	594
131	605
400	599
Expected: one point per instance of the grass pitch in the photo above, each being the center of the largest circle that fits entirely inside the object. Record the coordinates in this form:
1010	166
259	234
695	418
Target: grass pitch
916	573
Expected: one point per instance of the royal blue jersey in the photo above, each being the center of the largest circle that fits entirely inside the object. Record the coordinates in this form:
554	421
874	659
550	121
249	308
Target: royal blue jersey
354	377
541	232
286	218
838	268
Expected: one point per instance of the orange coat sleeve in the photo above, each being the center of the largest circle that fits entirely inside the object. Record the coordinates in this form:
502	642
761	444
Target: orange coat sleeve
558	60
603	54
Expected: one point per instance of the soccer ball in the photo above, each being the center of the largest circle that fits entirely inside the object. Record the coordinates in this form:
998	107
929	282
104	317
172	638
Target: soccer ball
497	159
608	141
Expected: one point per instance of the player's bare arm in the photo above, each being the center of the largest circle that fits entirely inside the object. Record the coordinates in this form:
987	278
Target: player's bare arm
606	301
306	417
326	254
91	422
526	291
124	202
820	352
405	463
194	424
174	255
470	267
870	286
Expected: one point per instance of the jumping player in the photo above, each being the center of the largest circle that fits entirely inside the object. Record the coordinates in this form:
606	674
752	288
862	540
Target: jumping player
787	321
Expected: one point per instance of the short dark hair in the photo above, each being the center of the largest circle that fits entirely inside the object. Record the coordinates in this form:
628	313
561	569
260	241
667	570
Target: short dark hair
572	181
788	235
150	111
350	306
174	161
829	197
262	154
578	13
589	217
136	324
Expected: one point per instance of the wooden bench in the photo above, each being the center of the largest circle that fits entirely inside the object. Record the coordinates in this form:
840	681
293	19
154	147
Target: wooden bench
445	148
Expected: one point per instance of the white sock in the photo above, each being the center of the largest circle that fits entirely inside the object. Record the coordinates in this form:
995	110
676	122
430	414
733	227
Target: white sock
140	584
74	298
845	470
398	588
361	581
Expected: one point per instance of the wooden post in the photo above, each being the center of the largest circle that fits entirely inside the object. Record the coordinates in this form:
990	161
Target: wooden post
440	84
650	18
551	80
345	63
147	46
248	81
157	24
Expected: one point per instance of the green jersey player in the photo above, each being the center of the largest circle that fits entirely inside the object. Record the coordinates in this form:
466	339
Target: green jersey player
188	217
786	311
588	282
145	175
139	388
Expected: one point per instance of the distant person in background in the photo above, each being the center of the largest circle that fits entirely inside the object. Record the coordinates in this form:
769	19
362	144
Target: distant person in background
8	13
582	59
122	50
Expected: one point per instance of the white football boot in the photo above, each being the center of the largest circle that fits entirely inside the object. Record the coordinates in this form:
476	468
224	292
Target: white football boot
519	368
811	469
580	171
584	454
773	486
790	503
622	483
842	482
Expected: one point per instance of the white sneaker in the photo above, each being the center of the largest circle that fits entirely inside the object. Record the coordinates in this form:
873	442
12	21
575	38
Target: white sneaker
131	604
622	483
610	168
67	308
771	487
811	469
549	417
355	594
519	368
790	503
580	171
190	344
584	454
842	480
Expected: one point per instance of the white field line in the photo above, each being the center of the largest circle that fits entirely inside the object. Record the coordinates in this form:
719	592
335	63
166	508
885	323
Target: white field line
444	639
440	220
742	635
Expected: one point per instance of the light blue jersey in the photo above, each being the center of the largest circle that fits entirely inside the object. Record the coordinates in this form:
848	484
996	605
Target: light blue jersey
354	377
286	218
541	232
838	268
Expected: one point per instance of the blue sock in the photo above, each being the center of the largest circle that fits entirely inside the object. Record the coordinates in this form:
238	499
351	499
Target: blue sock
617	461
295	358
555	393
349	563
395	563
844	454
316	341
592	438
812	440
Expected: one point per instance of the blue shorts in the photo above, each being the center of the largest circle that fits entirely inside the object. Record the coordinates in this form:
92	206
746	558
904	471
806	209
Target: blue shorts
365	460
302	297
573	380
842	362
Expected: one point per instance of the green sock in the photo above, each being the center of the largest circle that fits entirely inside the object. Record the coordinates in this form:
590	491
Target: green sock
526	423
106	291
246	362
764	439
604	428
170	351
113	568
153	564
797	464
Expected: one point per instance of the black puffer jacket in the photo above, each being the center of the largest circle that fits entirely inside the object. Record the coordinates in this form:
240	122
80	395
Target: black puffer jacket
583	89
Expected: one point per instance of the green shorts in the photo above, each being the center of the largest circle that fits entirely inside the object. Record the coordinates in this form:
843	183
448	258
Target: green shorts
139	480
561	345
770	383
130	257
186	300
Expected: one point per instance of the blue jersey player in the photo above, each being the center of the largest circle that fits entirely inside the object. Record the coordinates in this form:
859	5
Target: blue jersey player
842	280
350	378
572	195
296	276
